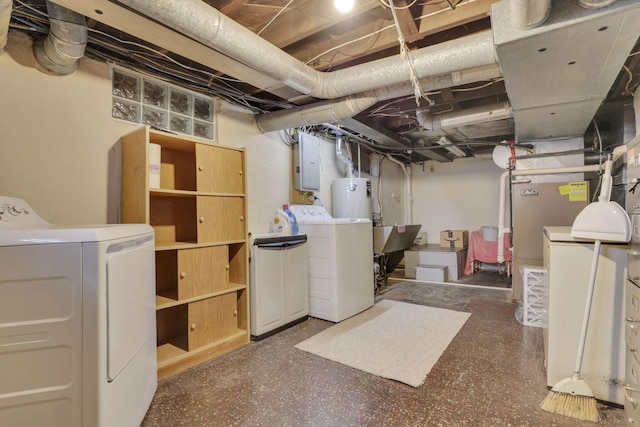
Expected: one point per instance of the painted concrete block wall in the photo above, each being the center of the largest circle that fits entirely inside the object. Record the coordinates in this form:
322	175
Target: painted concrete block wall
460	195
57	137
59	148
389	193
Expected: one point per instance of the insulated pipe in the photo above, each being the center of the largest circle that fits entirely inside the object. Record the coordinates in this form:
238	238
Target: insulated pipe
408	197
526	14
595	4
205	24
346	107
636	108
5	16
502	229
470	116
340	148
60	52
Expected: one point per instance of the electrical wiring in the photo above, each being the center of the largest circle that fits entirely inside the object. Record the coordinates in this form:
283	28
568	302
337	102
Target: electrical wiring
145	60
275	17
370	36
160	54
630	74
470	89
389	6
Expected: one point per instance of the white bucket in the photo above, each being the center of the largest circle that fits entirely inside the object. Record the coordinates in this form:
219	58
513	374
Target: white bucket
490	234
154	165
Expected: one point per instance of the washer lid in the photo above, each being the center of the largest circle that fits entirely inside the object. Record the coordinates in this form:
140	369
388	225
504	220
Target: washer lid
71	234
20	225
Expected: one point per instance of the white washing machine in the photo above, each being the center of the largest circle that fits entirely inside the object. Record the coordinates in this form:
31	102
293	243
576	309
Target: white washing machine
77	322
340	255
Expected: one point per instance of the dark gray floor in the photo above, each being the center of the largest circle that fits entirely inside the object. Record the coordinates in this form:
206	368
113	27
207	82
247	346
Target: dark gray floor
491	375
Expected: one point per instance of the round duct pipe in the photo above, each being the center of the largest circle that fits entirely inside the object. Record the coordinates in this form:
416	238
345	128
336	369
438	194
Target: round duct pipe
526	14
595	4
65	45
5	16
470	116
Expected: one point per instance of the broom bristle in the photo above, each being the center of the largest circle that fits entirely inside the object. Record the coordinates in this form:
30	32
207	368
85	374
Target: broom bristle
571	405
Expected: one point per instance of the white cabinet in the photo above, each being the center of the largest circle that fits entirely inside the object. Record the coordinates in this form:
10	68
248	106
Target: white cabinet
279	283
568	263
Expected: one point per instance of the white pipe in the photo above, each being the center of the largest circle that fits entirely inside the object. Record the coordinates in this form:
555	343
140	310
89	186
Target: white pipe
636	108
335	110
408	217
502	229
341	147
595	4
526	14
470	116
5	16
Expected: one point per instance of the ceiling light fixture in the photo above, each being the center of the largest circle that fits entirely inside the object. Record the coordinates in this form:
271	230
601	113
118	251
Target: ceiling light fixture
343	6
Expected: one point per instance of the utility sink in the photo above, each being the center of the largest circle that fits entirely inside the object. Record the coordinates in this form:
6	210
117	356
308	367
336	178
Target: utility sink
393	238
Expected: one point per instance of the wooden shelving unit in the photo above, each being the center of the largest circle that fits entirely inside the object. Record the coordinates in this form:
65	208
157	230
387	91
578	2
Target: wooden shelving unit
198	214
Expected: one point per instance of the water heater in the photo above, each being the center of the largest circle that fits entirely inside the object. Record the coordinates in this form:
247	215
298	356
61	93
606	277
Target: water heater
351	198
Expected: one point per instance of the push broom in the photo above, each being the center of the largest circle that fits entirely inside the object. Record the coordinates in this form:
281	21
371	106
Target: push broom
603	220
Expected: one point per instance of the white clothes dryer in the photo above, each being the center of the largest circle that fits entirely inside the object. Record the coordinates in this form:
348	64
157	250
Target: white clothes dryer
340	254
77	322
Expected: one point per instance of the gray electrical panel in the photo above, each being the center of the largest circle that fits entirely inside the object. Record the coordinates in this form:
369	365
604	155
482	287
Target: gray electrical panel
306	163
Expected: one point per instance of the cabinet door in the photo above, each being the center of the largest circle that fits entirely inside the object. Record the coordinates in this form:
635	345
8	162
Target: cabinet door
202	271
297	282
220	219
212	319
219	170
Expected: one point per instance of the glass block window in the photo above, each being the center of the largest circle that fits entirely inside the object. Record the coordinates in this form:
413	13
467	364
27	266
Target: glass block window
144	100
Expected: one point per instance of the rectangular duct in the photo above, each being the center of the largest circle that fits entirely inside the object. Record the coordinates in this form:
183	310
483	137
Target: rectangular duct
557	75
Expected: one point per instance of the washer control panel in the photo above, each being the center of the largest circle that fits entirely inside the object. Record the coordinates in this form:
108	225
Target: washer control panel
310	213
16	213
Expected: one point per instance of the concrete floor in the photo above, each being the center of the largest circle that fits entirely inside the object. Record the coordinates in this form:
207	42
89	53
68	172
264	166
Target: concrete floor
492	374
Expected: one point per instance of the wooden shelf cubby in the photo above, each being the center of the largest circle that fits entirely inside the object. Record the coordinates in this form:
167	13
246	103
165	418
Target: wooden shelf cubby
198	215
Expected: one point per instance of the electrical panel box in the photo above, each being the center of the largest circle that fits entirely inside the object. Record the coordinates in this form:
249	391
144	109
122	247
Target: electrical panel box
306	163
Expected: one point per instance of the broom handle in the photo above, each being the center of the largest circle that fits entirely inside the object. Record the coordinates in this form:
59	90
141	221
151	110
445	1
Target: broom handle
587	308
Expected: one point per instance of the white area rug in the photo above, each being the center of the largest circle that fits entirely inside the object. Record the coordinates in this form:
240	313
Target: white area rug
392	339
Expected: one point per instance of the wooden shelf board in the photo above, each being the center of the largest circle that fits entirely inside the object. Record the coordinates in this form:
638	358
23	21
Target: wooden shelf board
173	359
169	246
168	300
168	192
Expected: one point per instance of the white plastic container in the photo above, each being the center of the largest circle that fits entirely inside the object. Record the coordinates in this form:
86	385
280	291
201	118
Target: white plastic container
490	234
281	223
154	165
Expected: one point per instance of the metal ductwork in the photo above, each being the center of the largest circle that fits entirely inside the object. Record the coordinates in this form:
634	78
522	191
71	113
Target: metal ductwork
529	13
203	23
595	4
5	16
343	154
558	75
470	116
636	109
346	107
61	50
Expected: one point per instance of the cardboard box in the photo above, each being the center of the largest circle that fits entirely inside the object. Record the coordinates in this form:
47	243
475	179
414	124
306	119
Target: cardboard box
454	239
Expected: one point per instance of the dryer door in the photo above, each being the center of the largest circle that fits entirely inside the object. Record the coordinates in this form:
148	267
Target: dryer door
130	301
